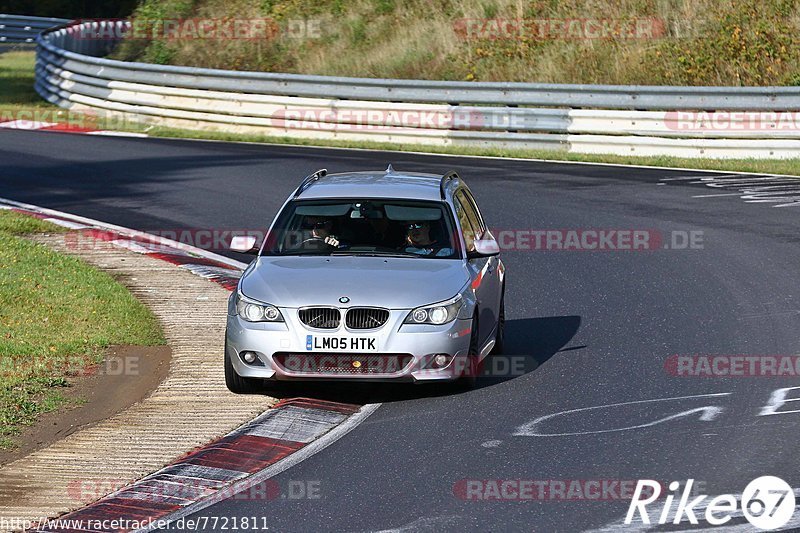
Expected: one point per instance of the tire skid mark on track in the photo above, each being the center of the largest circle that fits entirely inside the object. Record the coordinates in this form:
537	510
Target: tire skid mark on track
782	191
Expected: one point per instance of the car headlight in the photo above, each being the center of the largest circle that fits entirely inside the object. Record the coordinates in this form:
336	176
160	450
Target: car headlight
440	313
253	311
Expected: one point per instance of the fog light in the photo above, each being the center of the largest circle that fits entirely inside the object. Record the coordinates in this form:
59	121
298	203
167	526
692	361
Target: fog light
438	361
249	357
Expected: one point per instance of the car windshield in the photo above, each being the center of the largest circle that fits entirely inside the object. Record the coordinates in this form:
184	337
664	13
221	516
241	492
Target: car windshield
364	227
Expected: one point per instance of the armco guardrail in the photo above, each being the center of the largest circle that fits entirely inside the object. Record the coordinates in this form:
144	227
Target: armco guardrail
22	29
631	120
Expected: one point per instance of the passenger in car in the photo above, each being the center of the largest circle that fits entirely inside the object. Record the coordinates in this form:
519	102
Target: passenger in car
419	241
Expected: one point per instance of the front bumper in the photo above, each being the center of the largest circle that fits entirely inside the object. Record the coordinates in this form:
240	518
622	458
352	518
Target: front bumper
282	352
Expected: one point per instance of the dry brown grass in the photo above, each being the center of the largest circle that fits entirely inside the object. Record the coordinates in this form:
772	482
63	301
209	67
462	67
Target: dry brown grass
707	42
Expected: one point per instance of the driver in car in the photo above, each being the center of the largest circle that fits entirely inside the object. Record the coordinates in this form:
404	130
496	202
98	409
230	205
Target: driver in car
321	231
418	241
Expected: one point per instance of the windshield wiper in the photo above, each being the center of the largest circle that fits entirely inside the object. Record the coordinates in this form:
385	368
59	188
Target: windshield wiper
300	252
379	254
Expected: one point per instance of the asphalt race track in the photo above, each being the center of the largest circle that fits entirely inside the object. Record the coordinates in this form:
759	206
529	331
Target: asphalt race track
591	328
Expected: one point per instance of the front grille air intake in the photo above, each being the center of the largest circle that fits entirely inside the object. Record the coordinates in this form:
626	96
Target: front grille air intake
320	317
366	318
343	364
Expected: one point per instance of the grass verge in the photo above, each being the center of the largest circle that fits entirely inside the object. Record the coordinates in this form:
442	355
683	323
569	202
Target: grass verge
57	316
19	100
16	80
620	42
18	96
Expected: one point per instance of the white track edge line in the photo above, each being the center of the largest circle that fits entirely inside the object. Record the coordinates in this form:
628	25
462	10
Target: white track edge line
113	133
273	470
129	232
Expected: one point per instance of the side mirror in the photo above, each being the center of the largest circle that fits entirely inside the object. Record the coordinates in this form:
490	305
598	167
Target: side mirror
245	244
485	247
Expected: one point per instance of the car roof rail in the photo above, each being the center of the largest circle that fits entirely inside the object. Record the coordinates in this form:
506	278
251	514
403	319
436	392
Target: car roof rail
450	175
306	183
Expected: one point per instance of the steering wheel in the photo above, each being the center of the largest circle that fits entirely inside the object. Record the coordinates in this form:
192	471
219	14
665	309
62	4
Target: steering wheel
314	242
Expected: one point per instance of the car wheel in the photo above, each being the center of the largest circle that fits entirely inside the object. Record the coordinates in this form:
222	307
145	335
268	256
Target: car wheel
500	339
236	383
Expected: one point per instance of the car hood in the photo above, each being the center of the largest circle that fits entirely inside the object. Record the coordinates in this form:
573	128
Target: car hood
391	282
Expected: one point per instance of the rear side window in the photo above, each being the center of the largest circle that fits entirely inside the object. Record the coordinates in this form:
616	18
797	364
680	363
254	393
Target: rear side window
472	207
471	212
467	228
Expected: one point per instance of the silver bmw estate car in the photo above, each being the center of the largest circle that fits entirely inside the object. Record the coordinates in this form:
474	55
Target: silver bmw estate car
388	276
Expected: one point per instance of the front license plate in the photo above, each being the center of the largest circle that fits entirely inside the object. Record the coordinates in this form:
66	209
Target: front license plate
332	343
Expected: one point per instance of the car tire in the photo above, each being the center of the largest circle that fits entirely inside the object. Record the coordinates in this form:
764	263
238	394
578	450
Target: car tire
238	384
500	338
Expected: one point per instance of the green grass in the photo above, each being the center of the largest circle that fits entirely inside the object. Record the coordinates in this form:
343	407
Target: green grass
16	80
57	316
776	166
19	101
13	223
